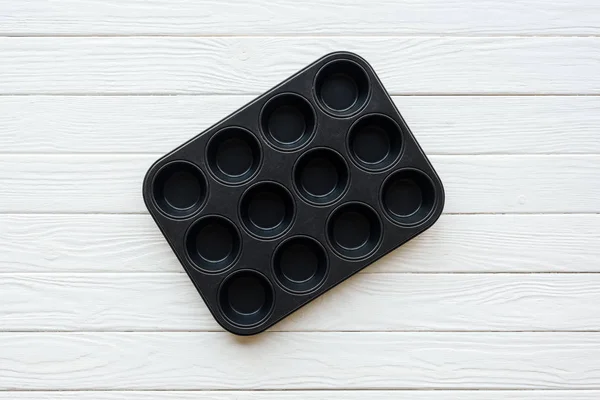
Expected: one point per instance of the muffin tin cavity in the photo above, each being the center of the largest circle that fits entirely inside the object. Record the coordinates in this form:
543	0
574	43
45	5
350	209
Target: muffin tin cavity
233	155
267	210
375	142
342	88
408	197
179	189
246	298
354	230
288	121
321	176
300	264
213	244
293	193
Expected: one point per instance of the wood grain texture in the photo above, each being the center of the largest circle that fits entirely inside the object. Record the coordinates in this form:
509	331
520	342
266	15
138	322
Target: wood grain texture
456	243
369	302
285	17
497	301
442	125
311	360
473	184
251	65
309	395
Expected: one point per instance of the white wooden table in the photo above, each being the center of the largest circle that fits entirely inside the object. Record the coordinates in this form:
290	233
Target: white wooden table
499	300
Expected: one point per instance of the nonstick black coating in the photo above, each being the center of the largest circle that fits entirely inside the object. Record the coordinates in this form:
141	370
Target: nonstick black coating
293	193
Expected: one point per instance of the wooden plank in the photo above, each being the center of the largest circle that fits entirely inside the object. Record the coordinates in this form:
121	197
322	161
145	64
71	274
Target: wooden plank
370	302
251	65
456	243
442	124
287	17
309	395
473	184
316	360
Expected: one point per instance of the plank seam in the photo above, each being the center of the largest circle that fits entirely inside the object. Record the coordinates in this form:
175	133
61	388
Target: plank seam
441	34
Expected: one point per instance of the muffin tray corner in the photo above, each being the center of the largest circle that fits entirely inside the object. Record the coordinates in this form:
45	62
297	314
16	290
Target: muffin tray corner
293	193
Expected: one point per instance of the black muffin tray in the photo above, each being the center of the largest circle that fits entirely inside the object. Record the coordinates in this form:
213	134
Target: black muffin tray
293	193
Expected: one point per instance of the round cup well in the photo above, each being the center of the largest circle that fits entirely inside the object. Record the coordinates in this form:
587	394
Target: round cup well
321	176
246	298
233	155
288	121
267	210
300	264
213	244
408	197
179	189
375	142
354	230
342	88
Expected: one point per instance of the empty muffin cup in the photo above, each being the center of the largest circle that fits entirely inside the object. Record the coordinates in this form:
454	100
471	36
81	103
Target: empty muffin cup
408	197
267	210
213	244
354	230
288	121
375	142
233	155
246	298
321	176
342	88
179	189
300	264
